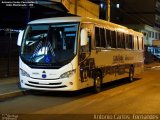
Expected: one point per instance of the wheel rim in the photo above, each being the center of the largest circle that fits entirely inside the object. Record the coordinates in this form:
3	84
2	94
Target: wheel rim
131	74
98	83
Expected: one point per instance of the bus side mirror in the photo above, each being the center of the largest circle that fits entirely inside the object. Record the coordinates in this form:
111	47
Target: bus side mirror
19	41
84	37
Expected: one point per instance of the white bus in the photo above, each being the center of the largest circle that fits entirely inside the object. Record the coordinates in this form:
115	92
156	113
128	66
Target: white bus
72	53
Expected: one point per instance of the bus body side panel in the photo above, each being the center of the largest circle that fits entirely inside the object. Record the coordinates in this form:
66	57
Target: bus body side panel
115	64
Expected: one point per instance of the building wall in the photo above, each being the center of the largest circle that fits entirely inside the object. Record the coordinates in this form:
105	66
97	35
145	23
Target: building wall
140	15
139	5
82	8
142	11
9	53
150	34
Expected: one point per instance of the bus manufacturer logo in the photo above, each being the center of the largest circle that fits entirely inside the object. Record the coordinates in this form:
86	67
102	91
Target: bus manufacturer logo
44	75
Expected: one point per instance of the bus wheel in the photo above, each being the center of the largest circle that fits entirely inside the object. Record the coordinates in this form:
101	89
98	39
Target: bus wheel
97	83
131	74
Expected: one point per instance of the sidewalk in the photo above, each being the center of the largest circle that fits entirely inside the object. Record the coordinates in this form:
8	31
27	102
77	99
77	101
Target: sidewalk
9	87
150	65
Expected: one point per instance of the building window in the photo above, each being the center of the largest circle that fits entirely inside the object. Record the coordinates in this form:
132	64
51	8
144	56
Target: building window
152	34
117	5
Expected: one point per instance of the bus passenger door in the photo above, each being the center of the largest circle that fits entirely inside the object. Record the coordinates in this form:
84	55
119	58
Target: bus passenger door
84	60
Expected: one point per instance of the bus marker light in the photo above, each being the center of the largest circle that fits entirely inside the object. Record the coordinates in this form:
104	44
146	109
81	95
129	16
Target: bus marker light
71	83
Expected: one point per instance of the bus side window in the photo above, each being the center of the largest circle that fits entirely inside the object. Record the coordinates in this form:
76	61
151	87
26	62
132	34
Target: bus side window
127	41
142	43
119	40
108	37
97	37
131	41
102	41
137	43
113	39
123	40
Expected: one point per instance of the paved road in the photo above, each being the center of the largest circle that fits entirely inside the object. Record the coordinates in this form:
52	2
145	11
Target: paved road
120	97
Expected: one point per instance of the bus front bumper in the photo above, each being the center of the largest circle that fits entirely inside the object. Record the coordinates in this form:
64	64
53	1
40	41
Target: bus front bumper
65	84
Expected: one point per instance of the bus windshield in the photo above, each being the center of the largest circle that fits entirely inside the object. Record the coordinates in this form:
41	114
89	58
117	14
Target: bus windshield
49	45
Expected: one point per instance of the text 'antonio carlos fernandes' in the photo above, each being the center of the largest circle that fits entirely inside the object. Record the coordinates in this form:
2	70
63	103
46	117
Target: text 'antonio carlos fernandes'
126	117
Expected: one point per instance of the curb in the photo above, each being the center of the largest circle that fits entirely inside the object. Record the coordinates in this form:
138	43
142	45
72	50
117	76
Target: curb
17	93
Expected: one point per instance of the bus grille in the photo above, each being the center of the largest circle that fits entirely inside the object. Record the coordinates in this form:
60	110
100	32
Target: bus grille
62	86
37	83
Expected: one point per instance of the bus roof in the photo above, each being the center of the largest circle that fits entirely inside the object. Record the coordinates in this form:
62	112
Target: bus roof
56	20
73	19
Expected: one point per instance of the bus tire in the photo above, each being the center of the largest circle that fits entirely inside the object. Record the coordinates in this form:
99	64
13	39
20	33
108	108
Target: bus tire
131	74
97	82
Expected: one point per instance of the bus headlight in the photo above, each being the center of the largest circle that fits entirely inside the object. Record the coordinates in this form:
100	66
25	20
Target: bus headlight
68	74
24	73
